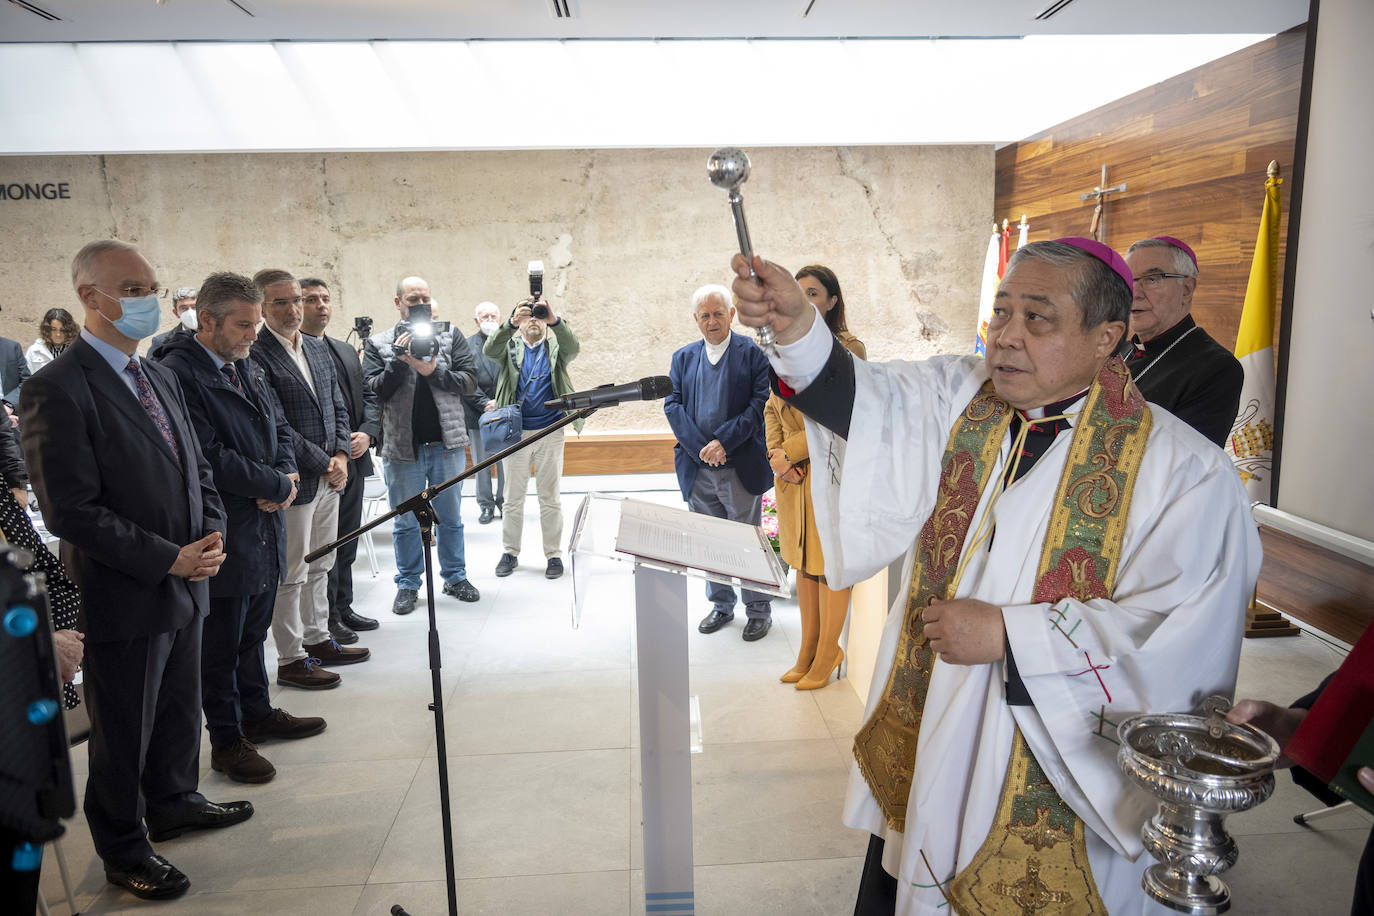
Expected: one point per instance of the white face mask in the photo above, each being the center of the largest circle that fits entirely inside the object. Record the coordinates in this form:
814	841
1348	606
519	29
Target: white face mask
189	320
489	327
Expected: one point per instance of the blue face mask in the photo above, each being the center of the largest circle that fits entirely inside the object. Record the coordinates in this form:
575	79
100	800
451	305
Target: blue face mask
141	318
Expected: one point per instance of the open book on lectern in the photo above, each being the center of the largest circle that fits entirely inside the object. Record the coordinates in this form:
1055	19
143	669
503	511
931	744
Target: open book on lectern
701	542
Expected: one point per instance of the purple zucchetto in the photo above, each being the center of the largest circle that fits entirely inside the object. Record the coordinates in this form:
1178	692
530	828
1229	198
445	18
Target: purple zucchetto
1179	245
1106	254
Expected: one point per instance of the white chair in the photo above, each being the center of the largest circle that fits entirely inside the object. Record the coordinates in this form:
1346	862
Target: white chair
375	502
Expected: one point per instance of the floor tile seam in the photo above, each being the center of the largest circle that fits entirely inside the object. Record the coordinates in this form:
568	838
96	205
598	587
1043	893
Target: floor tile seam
572	671
572	750
552	874
410	787
808	859
1298	830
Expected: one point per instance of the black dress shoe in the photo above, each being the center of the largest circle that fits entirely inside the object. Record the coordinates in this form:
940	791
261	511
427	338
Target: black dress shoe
153	878
554	568
715	620
488	513
506	565
341	632
757	628
357	621
208	816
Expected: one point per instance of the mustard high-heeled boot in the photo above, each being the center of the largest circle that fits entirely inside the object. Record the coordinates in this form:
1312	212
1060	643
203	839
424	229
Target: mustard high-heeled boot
829	655
809	600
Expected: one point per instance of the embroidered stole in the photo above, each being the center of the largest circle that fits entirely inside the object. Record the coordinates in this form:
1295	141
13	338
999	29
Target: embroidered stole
1079	559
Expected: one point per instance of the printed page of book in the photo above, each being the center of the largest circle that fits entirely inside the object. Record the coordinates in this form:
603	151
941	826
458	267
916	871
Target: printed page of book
698	541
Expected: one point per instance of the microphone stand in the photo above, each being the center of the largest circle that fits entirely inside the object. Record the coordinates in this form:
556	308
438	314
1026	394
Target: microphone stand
420	506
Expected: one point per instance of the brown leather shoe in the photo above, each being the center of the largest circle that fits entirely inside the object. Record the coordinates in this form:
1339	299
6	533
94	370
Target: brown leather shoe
306	674
241	762
281	724
330	652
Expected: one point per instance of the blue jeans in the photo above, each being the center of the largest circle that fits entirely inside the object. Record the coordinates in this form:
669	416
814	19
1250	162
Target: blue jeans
433	464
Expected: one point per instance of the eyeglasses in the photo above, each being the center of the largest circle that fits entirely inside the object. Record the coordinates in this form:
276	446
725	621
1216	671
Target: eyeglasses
1150	282
138	292
279	303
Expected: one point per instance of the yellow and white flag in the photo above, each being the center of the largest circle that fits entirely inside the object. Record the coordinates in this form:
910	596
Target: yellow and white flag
1251	444
990	278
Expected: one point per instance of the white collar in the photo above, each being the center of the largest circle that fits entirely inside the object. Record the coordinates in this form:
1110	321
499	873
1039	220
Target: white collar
715	351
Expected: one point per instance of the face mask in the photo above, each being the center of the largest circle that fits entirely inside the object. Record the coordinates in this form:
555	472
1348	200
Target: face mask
141	316
189	320
489	327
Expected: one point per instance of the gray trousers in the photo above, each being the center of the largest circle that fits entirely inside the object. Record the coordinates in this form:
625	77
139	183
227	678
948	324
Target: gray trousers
718	492
483	480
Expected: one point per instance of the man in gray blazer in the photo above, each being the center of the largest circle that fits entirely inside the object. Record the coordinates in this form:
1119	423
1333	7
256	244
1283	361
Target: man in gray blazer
301	372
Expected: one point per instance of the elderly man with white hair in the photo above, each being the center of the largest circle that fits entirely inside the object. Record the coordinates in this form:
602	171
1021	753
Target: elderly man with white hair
720	384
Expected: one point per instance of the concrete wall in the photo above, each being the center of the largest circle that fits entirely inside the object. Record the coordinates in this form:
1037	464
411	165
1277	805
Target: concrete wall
625	235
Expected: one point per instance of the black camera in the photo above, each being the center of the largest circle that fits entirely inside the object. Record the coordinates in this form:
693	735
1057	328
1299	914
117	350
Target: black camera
363	325
539	310
424	332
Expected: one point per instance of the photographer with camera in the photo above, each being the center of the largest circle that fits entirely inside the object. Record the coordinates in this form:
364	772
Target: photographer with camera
421	373
534	369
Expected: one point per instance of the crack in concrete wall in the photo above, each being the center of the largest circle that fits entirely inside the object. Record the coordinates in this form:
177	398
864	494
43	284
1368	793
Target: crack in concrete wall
931	325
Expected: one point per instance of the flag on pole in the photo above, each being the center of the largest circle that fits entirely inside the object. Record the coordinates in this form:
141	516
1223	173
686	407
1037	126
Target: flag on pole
1251	444
1024	233
1004	255
989	292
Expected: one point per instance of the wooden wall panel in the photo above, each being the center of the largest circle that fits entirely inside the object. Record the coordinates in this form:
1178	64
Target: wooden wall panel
1193	152
1321	588
616	453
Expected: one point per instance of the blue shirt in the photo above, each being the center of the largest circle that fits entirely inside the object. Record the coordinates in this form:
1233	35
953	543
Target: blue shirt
117	358
536	387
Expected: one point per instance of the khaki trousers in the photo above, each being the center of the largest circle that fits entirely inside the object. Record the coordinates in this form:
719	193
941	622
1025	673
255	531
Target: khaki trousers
546	457
300	615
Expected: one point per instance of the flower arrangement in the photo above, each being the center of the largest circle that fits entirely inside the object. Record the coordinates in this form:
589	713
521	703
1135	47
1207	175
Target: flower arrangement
770	521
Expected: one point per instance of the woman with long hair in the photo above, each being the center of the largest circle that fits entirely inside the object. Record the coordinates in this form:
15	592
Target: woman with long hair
823	609
56	332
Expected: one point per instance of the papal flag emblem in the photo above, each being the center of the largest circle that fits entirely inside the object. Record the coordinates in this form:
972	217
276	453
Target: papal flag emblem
1251	443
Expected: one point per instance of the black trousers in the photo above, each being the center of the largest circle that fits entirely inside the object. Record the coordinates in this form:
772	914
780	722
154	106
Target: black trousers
350	517
233	671
143	697
877	889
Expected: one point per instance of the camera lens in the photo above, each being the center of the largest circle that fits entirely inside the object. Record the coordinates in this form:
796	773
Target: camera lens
540	311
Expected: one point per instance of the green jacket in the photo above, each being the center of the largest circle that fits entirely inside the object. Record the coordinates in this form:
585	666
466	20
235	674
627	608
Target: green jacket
563	348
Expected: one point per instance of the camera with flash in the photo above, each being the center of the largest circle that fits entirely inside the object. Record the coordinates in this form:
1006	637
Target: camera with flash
424	332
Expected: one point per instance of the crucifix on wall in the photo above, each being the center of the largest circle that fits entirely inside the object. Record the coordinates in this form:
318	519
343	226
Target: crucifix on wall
1098	229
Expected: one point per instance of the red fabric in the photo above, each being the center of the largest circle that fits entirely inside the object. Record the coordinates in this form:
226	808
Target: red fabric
784	389
1340	715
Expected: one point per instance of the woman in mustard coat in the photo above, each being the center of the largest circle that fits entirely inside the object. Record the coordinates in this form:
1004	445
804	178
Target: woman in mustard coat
823	610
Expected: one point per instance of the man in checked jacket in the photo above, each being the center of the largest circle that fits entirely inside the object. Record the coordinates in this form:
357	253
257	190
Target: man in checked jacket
301	372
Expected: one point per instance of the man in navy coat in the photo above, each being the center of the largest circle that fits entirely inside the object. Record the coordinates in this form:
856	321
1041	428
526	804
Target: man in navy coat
247	444
720	384
122	481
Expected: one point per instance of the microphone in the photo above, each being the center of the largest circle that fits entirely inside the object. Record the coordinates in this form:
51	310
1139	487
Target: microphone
646	389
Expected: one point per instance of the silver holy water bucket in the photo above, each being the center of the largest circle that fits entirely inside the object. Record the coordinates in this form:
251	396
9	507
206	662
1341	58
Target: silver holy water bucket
1202	768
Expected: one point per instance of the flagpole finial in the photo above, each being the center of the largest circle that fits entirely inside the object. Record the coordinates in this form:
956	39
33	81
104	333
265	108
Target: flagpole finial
1273	170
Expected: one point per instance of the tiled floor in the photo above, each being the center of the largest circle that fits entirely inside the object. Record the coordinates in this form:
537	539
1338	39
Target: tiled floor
543	762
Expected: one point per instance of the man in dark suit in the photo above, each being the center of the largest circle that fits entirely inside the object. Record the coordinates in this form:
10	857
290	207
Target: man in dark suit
247	444
487	318
720	384
301	372
366	428
1176	364
108	439
14	369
